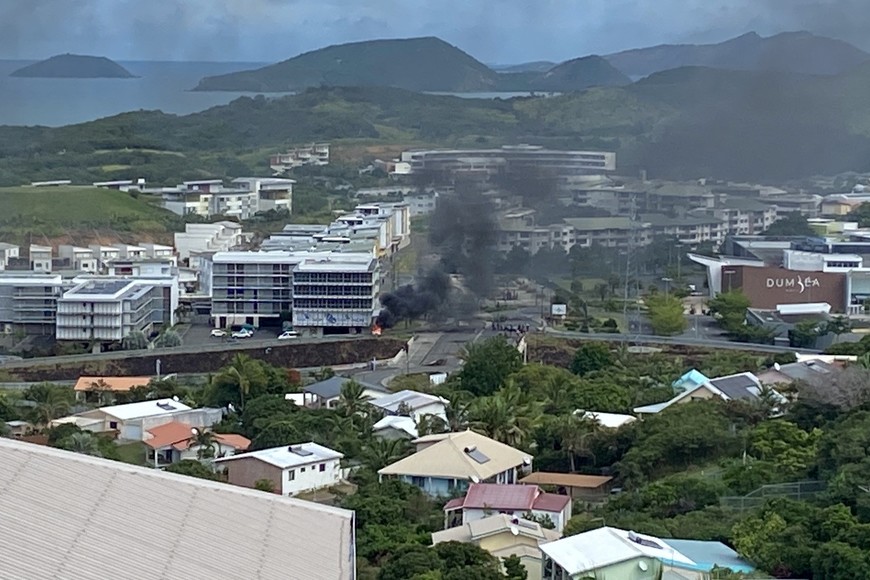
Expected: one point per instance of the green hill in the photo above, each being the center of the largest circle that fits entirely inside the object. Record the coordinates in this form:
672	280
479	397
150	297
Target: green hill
582	73
799	52
52	210
685	123
74	66
418	64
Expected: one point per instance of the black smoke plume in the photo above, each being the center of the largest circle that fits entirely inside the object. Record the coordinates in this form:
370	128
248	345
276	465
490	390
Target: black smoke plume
463	231
414	301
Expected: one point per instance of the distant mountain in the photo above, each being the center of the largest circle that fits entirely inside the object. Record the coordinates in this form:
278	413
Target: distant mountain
800	52
582	73
536	66
74	66
417	64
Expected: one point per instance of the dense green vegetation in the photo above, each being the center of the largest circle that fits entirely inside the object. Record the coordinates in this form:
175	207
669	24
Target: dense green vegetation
687	122
689	472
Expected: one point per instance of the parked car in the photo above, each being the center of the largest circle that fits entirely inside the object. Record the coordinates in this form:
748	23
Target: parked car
243	333
218	333
288	334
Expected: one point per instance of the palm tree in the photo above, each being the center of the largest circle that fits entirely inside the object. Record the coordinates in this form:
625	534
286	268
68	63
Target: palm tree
508	416
575	433
53	406
205	440
240	370
456	413
352	397
84	443
379	453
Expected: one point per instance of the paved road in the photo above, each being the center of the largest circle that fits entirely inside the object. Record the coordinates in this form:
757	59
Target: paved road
681	340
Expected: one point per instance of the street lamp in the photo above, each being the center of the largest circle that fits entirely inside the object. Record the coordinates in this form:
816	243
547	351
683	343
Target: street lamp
667	282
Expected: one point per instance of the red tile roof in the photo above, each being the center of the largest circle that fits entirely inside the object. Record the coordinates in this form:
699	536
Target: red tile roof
454	503
551	502
179	436
500	497
115	384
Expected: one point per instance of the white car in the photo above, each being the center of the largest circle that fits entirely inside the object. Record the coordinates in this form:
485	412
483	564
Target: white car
288	334
243	333
218	333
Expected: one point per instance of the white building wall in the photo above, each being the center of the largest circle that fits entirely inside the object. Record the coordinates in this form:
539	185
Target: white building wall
311	478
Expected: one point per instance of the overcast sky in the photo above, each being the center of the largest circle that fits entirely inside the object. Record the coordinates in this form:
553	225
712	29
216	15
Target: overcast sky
494	31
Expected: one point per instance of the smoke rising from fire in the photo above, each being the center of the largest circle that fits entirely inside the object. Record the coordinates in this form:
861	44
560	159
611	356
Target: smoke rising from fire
414	301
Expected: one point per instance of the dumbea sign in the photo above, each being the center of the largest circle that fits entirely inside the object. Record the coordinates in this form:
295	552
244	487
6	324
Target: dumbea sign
799	284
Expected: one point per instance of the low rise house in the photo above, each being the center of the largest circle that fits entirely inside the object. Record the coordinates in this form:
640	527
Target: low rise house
447	463
81	259
411	404
7	253
614	553
292	469
132	420
579	487
105	389
484	499
327	393
395	427
808	371
740	386
108	519
503	536
175	441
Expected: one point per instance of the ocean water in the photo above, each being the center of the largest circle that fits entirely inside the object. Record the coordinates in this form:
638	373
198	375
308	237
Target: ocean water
161	86
164	86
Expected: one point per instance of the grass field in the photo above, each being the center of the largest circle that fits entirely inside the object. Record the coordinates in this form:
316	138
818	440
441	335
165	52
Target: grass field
77	207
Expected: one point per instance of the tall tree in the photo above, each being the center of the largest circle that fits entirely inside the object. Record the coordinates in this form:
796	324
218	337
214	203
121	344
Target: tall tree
240	371
591	357
487	365
666	315
352	398
84	443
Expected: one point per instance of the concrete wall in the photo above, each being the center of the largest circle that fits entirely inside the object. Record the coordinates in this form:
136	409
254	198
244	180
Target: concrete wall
245	472
310	477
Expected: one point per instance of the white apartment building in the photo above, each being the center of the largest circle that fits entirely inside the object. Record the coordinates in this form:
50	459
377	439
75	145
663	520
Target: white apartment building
816	262
28	301
81	259
7	253
143	267
108	309
201	238
40	258
158	250
314	154
104	254
271	193
326	292
130	251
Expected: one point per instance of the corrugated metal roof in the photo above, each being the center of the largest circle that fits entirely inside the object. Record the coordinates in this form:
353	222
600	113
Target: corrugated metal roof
71	516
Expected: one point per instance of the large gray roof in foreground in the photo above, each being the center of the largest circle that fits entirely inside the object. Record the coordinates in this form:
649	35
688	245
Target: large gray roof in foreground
70	516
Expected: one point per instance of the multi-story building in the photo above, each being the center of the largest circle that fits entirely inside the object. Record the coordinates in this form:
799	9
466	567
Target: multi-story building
271	193
80	259
40	258
324	292
610	232
143	267
8	252
158	250
131	251
742	216
104	254
203	238
108	309
444	164
314	154
517	229
28	301
689	230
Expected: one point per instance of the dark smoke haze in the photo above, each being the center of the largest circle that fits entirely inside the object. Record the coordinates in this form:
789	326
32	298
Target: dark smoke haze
270	30
415	301
462	230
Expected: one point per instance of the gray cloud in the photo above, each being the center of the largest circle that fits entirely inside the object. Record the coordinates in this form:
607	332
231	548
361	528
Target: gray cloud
491	30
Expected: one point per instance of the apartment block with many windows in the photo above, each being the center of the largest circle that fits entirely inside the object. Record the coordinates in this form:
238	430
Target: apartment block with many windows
321	292
108	309
28	302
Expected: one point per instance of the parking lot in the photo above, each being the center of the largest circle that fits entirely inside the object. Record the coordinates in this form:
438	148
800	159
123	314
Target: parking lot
197	334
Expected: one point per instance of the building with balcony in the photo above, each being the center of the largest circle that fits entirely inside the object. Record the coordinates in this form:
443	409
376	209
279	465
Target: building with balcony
80	259
271	193
28	302
203	238
108	309
314	154
444	164
324	292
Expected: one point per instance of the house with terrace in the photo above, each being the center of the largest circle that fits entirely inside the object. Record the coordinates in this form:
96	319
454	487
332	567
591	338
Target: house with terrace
485	499
173	442
447	463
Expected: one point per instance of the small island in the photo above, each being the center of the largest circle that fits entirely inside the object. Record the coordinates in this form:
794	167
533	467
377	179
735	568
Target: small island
74	66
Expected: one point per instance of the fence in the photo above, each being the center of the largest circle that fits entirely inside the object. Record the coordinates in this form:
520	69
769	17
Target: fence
798	490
